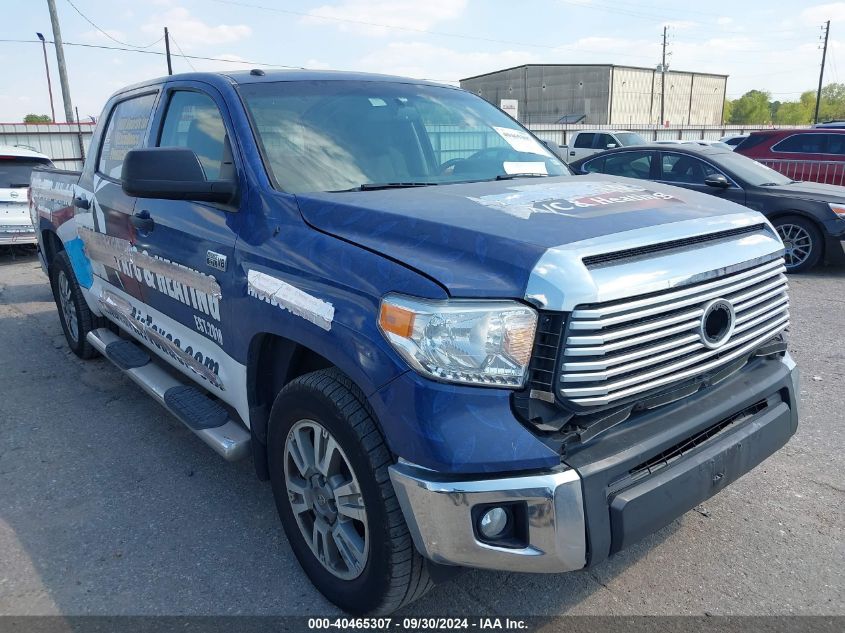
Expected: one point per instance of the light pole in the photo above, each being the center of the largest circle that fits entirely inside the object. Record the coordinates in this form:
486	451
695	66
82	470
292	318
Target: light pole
47	68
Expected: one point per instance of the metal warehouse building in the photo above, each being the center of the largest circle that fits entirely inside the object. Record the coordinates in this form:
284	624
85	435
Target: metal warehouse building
603	94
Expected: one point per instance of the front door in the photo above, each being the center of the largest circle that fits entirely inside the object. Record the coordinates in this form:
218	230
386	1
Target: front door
683	170
189	246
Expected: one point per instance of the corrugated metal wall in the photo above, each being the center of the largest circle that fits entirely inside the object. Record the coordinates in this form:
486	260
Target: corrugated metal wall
619	95
65	144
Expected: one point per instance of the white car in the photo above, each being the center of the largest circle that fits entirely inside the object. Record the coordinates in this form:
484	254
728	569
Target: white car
16	165
732	140
588	142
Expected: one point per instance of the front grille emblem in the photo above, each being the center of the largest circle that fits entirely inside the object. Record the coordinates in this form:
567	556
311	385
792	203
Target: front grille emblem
717	323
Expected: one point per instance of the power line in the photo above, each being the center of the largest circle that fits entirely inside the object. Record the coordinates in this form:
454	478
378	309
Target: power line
181	52
160	53
114	39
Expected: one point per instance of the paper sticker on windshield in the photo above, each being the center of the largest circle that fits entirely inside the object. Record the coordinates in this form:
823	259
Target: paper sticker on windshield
525	167
576	198
521	141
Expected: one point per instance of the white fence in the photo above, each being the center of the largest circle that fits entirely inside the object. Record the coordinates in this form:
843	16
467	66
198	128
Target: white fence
65	143
826	171
559	133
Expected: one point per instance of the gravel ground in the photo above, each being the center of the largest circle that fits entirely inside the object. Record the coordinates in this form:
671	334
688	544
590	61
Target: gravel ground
110	506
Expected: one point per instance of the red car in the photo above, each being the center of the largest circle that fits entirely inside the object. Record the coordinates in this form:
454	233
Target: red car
815	155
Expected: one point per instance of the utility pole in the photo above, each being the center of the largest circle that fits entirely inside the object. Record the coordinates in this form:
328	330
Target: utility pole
826	28
663	79
60	58
49	83
167	50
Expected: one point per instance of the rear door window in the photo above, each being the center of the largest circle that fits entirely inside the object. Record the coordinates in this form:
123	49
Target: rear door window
629	164
126	130
584	140
803	144
594	166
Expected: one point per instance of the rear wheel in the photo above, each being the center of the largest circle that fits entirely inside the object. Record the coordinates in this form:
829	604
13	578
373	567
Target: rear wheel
802	241
328	468
75	315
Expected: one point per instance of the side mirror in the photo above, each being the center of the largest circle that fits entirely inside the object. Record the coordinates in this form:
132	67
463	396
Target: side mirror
171	173
611	145
717	180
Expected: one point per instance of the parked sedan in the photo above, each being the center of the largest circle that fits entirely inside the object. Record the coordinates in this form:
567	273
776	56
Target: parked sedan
809	216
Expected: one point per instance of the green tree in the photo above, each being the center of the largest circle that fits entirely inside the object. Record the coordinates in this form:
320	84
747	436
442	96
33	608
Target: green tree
37	118
726	113
752	107
832	105
793	113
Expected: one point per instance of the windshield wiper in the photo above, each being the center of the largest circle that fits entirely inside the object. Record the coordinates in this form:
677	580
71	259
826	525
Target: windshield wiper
526	175
372	186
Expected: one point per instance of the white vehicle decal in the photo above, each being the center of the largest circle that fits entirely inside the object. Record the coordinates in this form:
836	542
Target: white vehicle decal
281	294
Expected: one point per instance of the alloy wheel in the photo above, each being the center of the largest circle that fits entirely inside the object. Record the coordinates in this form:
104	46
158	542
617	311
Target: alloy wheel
326	499
67	305
797	242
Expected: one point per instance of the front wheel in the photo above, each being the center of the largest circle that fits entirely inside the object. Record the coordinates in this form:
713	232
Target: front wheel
328	469
802	241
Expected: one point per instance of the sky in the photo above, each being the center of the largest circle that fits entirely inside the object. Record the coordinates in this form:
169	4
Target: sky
764	44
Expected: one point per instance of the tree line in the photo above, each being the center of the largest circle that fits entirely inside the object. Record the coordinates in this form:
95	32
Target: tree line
756	107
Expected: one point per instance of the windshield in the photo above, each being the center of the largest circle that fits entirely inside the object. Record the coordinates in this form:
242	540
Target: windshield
751	171
342	135
630	138
15	172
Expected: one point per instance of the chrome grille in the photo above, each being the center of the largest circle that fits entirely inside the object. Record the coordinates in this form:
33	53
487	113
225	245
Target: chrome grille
620	349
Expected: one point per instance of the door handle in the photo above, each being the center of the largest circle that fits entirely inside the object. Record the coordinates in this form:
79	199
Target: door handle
143	221
572	153
82	203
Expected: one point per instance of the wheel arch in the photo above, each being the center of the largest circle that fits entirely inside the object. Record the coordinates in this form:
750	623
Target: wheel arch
52	244
273	361
804	215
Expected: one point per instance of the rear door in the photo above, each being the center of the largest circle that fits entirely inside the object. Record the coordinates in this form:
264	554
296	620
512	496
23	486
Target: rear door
104	212
690	172
192	242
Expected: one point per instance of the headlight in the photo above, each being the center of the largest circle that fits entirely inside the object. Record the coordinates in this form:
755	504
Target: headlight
838	209
470	342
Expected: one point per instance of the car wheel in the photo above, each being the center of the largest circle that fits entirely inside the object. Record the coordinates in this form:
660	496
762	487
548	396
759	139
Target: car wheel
802	241
328	469
75	315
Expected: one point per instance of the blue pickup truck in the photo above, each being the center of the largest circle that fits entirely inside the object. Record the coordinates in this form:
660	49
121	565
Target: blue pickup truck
441	348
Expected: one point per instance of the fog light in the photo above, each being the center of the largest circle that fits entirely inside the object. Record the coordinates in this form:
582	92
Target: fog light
493	523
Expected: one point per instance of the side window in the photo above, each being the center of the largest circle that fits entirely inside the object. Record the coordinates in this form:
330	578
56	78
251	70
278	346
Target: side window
603	140
836	144
193	121
629	164
594	166
802	144
685	169
584	140
125	131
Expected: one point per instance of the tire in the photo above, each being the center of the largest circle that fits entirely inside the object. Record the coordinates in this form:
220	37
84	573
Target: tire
74	314
803	241
390	573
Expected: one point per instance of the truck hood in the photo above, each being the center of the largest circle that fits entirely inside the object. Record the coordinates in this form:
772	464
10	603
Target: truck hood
483	239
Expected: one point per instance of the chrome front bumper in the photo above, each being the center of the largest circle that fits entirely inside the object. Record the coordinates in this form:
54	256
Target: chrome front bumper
438	513
438	508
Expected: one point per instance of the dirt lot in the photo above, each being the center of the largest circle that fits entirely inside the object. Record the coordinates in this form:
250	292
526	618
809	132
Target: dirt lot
110	506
